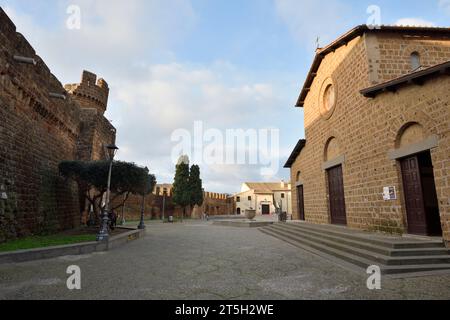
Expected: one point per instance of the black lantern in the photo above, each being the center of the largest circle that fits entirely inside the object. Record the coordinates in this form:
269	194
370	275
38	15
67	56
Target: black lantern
111	151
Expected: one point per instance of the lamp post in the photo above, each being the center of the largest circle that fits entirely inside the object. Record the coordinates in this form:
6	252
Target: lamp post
164	205
123	213
141	225
103	235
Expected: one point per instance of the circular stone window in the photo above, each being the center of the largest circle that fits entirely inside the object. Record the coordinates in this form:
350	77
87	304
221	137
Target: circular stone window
329	98
327	101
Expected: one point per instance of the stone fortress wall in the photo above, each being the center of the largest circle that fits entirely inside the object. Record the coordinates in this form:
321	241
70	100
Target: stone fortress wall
41	124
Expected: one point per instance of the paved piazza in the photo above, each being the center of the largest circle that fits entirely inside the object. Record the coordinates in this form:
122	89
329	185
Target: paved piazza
199	261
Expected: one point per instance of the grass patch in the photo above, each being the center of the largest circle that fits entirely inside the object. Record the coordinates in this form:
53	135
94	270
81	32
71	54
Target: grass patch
45	241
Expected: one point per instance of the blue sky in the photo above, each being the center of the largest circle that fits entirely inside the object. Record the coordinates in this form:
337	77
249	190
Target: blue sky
229	63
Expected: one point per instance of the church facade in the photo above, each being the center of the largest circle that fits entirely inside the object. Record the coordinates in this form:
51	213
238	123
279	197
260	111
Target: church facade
376	156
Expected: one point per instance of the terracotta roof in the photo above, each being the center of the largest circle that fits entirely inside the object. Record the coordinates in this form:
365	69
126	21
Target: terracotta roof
356	32
267	187
164	185
298	148
417	77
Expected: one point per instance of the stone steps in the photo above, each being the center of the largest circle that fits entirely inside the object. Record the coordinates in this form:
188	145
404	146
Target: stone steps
352	248
372	238
387	248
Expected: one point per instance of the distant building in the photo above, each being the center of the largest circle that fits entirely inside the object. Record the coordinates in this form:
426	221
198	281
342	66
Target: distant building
163	189
264	197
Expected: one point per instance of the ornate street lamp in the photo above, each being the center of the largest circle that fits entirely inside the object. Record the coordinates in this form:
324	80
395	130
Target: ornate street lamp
103	235
141	225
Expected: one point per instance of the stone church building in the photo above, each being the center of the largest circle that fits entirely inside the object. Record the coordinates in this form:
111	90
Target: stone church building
41	124
376	156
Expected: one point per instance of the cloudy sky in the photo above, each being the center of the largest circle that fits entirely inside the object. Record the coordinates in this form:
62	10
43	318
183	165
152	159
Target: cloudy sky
232	64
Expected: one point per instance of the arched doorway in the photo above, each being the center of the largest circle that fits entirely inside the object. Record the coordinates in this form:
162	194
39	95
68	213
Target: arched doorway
333	167
300	198
419	189
238	211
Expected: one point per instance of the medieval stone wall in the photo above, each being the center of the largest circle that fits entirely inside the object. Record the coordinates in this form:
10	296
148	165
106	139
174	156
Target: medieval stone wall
214	204
37	132
90	93
218	205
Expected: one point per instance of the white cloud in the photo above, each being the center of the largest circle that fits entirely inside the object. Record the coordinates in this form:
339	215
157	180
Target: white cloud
148	101
417	22
114	34
173	96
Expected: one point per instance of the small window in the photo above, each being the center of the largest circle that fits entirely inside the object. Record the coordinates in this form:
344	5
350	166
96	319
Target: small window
238	199
415	61
250	198
282	196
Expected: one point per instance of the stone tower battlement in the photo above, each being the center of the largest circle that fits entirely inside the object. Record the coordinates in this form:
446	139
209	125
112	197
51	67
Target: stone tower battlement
90	93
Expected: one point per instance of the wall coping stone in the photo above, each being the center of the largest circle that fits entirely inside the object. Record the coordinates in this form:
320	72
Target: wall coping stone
71	249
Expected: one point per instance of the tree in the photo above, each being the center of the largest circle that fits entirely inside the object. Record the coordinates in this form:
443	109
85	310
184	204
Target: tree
92	178
149	184
196	188
181	189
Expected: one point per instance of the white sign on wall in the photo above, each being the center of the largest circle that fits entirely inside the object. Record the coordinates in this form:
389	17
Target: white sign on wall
389	193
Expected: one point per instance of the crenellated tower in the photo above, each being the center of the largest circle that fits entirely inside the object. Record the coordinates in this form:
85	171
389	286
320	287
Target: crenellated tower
90	93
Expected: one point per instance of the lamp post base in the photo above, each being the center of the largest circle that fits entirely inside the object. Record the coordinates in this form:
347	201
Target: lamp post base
141	226
103	233
102	237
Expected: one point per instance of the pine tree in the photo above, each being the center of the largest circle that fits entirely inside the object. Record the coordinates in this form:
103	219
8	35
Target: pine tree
181	188
196	187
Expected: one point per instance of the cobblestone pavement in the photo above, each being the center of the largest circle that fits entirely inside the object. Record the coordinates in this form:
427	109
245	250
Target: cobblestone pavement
199	261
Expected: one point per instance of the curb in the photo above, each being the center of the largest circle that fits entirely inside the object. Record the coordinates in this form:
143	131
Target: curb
242	224
71	249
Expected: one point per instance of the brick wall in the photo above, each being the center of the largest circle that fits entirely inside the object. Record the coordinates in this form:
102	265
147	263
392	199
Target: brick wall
37	132
214	204
366	129
390	56
218	205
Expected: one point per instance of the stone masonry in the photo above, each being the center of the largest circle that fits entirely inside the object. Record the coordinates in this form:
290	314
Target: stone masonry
42	124
360	132
215	204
